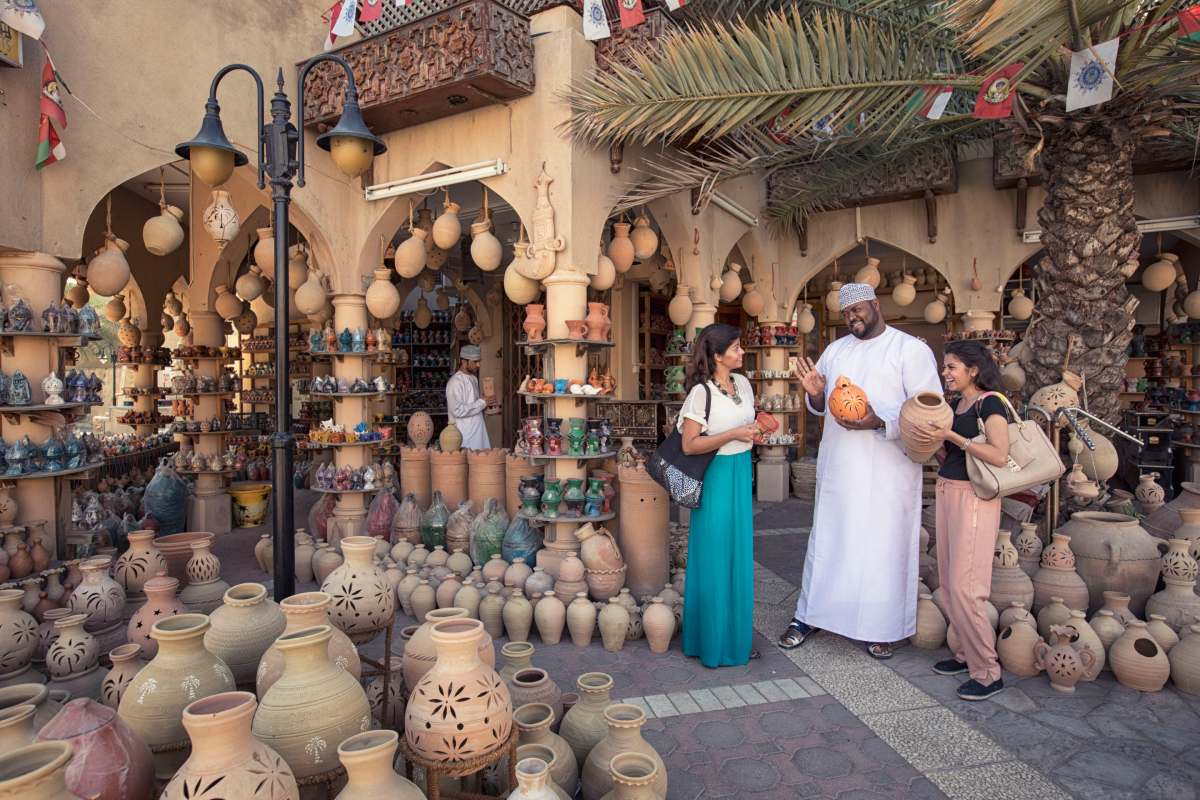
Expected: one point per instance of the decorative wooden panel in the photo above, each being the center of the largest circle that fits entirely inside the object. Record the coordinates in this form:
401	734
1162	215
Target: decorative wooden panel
931	169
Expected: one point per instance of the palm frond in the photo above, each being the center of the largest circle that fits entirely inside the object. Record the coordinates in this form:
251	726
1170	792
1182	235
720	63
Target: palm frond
810	73
912	17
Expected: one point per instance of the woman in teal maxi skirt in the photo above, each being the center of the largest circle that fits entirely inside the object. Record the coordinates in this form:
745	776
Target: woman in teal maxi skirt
718	417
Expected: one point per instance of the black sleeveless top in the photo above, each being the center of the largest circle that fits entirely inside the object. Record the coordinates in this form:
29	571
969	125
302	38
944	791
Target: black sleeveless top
954	468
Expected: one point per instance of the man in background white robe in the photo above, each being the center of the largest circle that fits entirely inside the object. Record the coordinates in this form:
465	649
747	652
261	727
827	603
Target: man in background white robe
463	402
860	573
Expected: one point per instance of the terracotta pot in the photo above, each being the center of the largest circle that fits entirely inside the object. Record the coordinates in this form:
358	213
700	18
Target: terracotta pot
205	589
533	685
533	721
548	757
517	656
311	297
443	724
313	707
633	775
176	548
1178	603
658	621
1185	662
1010	584
517	574
533	781
18	638
448	474
1108	629
1177	562
108	271
420	430
1029	548
46	703
1138	661
1166	637
1085	638
127	661
242	629
447	590
598	550
182	672
614	623
420	654
1118	603
16	727
643	537
1114	552
1053	613
931	625
1057	576
550	615
363	600
518	616
1015	648
223	750
300	611
110	762
485	477
535	322
368	759
624	735
680	308
99	596
847	402
74	658
486	250
583	725
450	439
917	416
598	322
1064	665
160	603
36	772
621	248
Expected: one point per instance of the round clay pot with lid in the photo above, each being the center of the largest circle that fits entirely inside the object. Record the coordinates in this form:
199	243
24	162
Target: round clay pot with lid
534	685
583	725
420	654
300	611
18	639
533	721
36	772
1138	661
368	759
242	629
161	602
110	761
127	662
624	735
224	751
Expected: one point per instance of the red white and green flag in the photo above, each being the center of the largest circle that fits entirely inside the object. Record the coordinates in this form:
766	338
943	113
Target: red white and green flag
341	21
675	5
936	100
1189	24
53	118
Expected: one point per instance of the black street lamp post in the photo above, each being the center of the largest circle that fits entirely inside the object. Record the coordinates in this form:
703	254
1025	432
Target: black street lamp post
352	147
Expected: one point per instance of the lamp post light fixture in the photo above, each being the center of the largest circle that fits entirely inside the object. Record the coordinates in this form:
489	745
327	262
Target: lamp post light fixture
213	158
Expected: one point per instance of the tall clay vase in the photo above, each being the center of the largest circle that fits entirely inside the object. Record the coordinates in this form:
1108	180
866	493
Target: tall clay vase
644	514
533	781
363	600
127	661
420	653
242	629
518	616
226	758
313	707
445	723
161	602
110	761
581	620
633	776
1029	548
181	673
1015	649
300	611
624	735
368	759
1138	661
141	562
36	772
919	415
614	624
550	615
533	721
1063	664
1185	662
583	725
74	658
18	640
517	656
658	622
204	589
1057	576
931	625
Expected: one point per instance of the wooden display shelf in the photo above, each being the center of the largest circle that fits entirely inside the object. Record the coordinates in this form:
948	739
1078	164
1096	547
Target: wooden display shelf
13	413
62	473
310	445
337	396
581	345
349	354
237	432
69	339
581	461
578	398
185	395
570	520
345	491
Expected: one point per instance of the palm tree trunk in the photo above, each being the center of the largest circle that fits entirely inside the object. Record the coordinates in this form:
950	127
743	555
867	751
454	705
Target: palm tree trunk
1091	243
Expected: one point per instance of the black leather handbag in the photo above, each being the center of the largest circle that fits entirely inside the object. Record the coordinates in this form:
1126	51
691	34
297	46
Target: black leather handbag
682	475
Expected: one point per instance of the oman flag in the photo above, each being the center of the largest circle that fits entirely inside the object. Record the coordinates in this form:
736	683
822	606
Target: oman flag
53	119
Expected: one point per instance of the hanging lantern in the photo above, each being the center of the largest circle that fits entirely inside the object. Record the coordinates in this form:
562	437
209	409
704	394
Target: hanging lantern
805	319
423	315
227	304
869	273
221	219
114	310
310	297
250	284
264	252
441	300
752	301
621	248
935	311
644	239
297	266
182	327
383	299
246	322
680	307
833	301
906	291
606	273
447	229
731	283
1020	307
172	305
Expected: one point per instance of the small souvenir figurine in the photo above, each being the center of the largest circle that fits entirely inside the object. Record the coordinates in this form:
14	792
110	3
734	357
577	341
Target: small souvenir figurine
360	386
345	341
15	457
54	455
331	338
368	478
76	451
316	342
89	322
356	479
381	384
371	340
553	436
19	391
358	341
93	512
50	318
70	319
384	339
20	316
52	387
3	388
343	385
94	385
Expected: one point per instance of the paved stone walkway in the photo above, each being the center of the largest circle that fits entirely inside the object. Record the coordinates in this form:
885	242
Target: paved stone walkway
826	720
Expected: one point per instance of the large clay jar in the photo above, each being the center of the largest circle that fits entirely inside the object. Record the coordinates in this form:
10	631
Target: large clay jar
74	658
1178	603
583	725
1063	664
614	624
533	721
919	415
550	615
176	548
420	429
363	600
36	772
598	549
1185	662
533	781
1138	661
624	735
313	707
448	475
1015	649
581	620
1107	629
598	322
420	654
46	703
368	759
643	534
445	723
534	685
300	611
18	639
1114	552
99	596
182	672
485	477
110	761
633	776
161	602
127	662
141	562
242	629
518	616
1057	576
931	625
414	473
1085	638
226	758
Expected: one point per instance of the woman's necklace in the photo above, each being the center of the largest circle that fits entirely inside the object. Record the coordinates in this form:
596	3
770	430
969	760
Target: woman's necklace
969	398
736	397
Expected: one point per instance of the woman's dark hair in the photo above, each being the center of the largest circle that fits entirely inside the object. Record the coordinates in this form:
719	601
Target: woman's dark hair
977	354
711	342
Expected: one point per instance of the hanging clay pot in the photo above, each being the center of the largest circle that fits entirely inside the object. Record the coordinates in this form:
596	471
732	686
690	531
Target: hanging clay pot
833	300
905	292
363	600
680	307
383	300
645	240
221	221
1138	661
264	252
311	297
227	304
242	629
1160	274
108	271
423	315
519	289
606	273
77	293
806	321
868	273
752	301
250	284
1020	307
163	234
486	250
731	283
297	266
935	311
621	248
447	228
411	254
182	327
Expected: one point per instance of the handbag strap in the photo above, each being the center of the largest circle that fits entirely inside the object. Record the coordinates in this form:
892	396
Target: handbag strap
707	402
1008	407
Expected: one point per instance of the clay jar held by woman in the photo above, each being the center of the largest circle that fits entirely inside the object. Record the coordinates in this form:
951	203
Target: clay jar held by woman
300	611
242	629
363	600
227	757
110	761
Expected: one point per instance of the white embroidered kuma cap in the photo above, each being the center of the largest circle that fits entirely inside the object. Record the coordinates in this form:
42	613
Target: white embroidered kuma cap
853	293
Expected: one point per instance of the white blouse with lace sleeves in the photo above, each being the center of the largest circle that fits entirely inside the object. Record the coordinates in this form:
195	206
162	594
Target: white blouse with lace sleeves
724	415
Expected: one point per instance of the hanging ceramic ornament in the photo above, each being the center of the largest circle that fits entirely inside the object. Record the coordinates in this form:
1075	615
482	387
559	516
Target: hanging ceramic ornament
833	300
423	316
297	266
435	256
462	319
114	310
227	304
221	219
620	247
250	284
246	322
1020	307
163	234
731	283
310	297
410	255
441	300
680	307
935	311
752	300
264	251
486	250
447	229
868	273
805	320
906	291
1191	304
77	293
644	239
606	273
1161	273
172	305
108	271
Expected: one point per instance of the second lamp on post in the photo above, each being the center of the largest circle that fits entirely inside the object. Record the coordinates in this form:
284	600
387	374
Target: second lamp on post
213	159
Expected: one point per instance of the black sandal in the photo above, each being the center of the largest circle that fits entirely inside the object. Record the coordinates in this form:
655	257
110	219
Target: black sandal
880	650
795	635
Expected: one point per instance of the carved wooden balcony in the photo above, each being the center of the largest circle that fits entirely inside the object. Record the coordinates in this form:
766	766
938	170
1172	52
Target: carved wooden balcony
469	55
930	171
644	38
